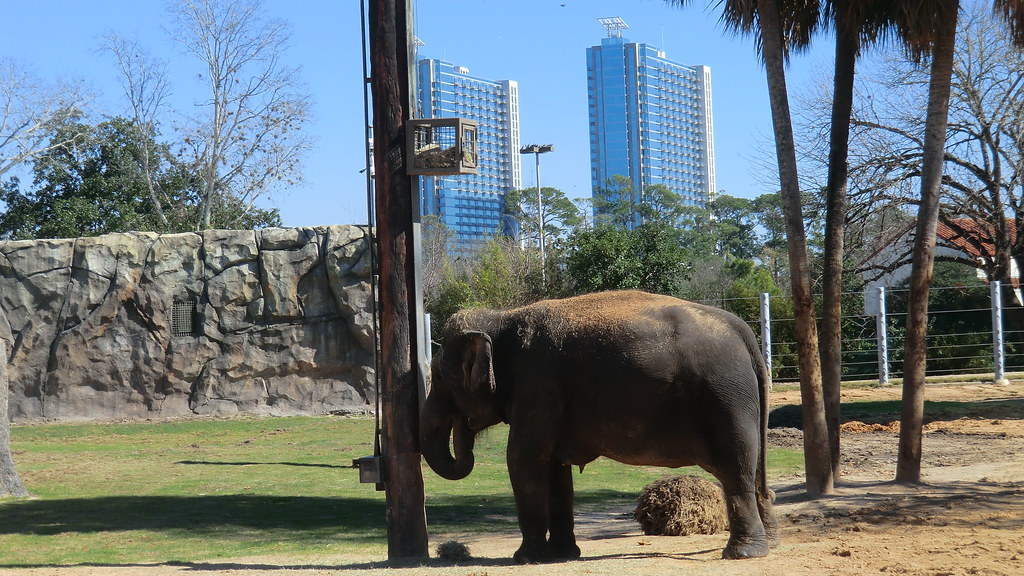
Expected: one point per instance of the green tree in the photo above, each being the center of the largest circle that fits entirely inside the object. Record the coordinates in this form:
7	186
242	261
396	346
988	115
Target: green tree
99	183
84	187
505	275
18	212
560	214
701	233
770	218
618	203
500	275
659	204
732	223
453	293
649	257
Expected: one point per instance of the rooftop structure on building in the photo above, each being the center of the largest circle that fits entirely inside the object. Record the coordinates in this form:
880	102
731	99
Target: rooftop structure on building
650	119
472	206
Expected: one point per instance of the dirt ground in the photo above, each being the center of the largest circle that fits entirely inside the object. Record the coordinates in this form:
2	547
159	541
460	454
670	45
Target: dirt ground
967	519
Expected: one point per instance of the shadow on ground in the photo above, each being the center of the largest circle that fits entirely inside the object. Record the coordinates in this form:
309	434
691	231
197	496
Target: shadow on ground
885	411
209	513
190	513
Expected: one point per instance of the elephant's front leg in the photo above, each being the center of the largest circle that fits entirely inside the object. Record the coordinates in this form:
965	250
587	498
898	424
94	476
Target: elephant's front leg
529	468
562	542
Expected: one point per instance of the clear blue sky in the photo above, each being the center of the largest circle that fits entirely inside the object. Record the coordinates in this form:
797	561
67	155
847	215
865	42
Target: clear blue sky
539	43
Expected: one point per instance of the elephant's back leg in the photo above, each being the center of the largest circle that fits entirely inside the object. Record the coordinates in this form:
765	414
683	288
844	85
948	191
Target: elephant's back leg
731	419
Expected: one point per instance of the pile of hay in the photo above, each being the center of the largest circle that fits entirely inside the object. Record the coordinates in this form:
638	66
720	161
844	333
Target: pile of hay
681	505
453	551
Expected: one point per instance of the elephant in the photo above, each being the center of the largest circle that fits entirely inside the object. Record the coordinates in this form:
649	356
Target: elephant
639	378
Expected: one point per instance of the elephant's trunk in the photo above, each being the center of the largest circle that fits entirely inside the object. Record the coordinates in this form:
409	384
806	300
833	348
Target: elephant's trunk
437	427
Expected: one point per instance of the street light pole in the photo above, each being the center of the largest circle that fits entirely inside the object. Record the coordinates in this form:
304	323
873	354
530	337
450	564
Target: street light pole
537	150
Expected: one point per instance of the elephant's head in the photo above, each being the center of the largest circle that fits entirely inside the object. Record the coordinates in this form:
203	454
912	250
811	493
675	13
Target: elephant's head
463	400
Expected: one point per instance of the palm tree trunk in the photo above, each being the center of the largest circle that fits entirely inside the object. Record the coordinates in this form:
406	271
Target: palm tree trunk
10	483
908	463
835	223
816	456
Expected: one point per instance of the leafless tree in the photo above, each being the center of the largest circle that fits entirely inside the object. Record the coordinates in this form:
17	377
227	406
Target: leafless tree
984	156
247	137
437	264
10	482
29	110
146	86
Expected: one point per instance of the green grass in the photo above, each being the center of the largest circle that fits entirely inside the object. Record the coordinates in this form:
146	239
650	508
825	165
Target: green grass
199	490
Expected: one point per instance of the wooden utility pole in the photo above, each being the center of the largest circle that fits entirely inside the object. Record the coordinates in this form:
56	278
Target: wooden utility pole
390	86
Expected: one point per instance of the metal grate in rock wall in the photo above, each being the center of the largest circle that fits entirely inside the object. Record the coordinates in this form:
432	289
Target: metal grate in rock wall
183	318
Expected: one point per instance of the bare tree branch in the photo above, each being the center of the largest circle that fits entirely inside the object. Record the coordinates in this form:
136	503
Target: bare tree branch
984	153
145	85
247	137
29	110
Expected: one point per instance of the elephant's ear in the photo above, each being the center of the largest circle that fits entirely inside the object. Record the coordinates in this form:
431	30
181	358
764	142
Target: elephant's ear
477	365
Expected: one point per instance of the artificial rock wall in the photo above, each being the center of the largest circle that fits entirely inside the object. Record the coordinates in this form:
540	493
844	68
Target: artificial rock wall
274	321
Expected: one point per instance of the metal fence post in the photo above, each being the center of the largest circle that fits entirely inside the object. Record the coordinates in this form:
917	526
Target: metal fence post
998	350
882	334
766	331
428	358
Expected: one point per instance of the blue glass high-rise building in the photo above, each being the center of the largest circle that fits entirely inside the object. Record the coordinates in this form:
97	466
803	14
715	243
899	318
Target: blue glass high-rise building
472	206
650	119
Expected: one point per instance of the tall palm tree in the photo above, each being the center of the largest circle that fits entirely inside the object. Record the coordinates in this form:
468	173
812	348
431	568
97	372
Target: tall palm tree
857	23
929	27
817	461
779	25
925	27
933	30
846	52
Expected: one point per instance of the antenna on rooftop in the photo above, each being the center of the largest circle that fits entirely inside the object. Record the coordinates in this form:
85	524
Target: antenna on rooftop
614	26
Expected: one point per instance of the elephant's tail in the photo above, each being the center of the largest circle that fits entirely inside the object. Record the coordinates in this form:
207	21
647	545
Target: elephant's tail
765	497
764	385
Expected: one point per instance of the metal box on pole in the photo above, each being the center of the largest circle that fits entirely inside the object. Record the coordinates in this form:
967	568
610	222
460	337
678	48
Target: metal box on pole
441	146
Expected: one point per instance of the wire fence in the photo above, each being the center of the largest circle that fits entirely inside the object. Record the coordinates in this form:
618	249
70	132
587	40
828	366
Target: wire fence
970	331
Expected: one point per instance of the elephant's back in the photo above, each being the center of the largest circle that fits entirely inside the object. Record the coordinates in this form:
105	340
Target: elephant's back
656	345
619	316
